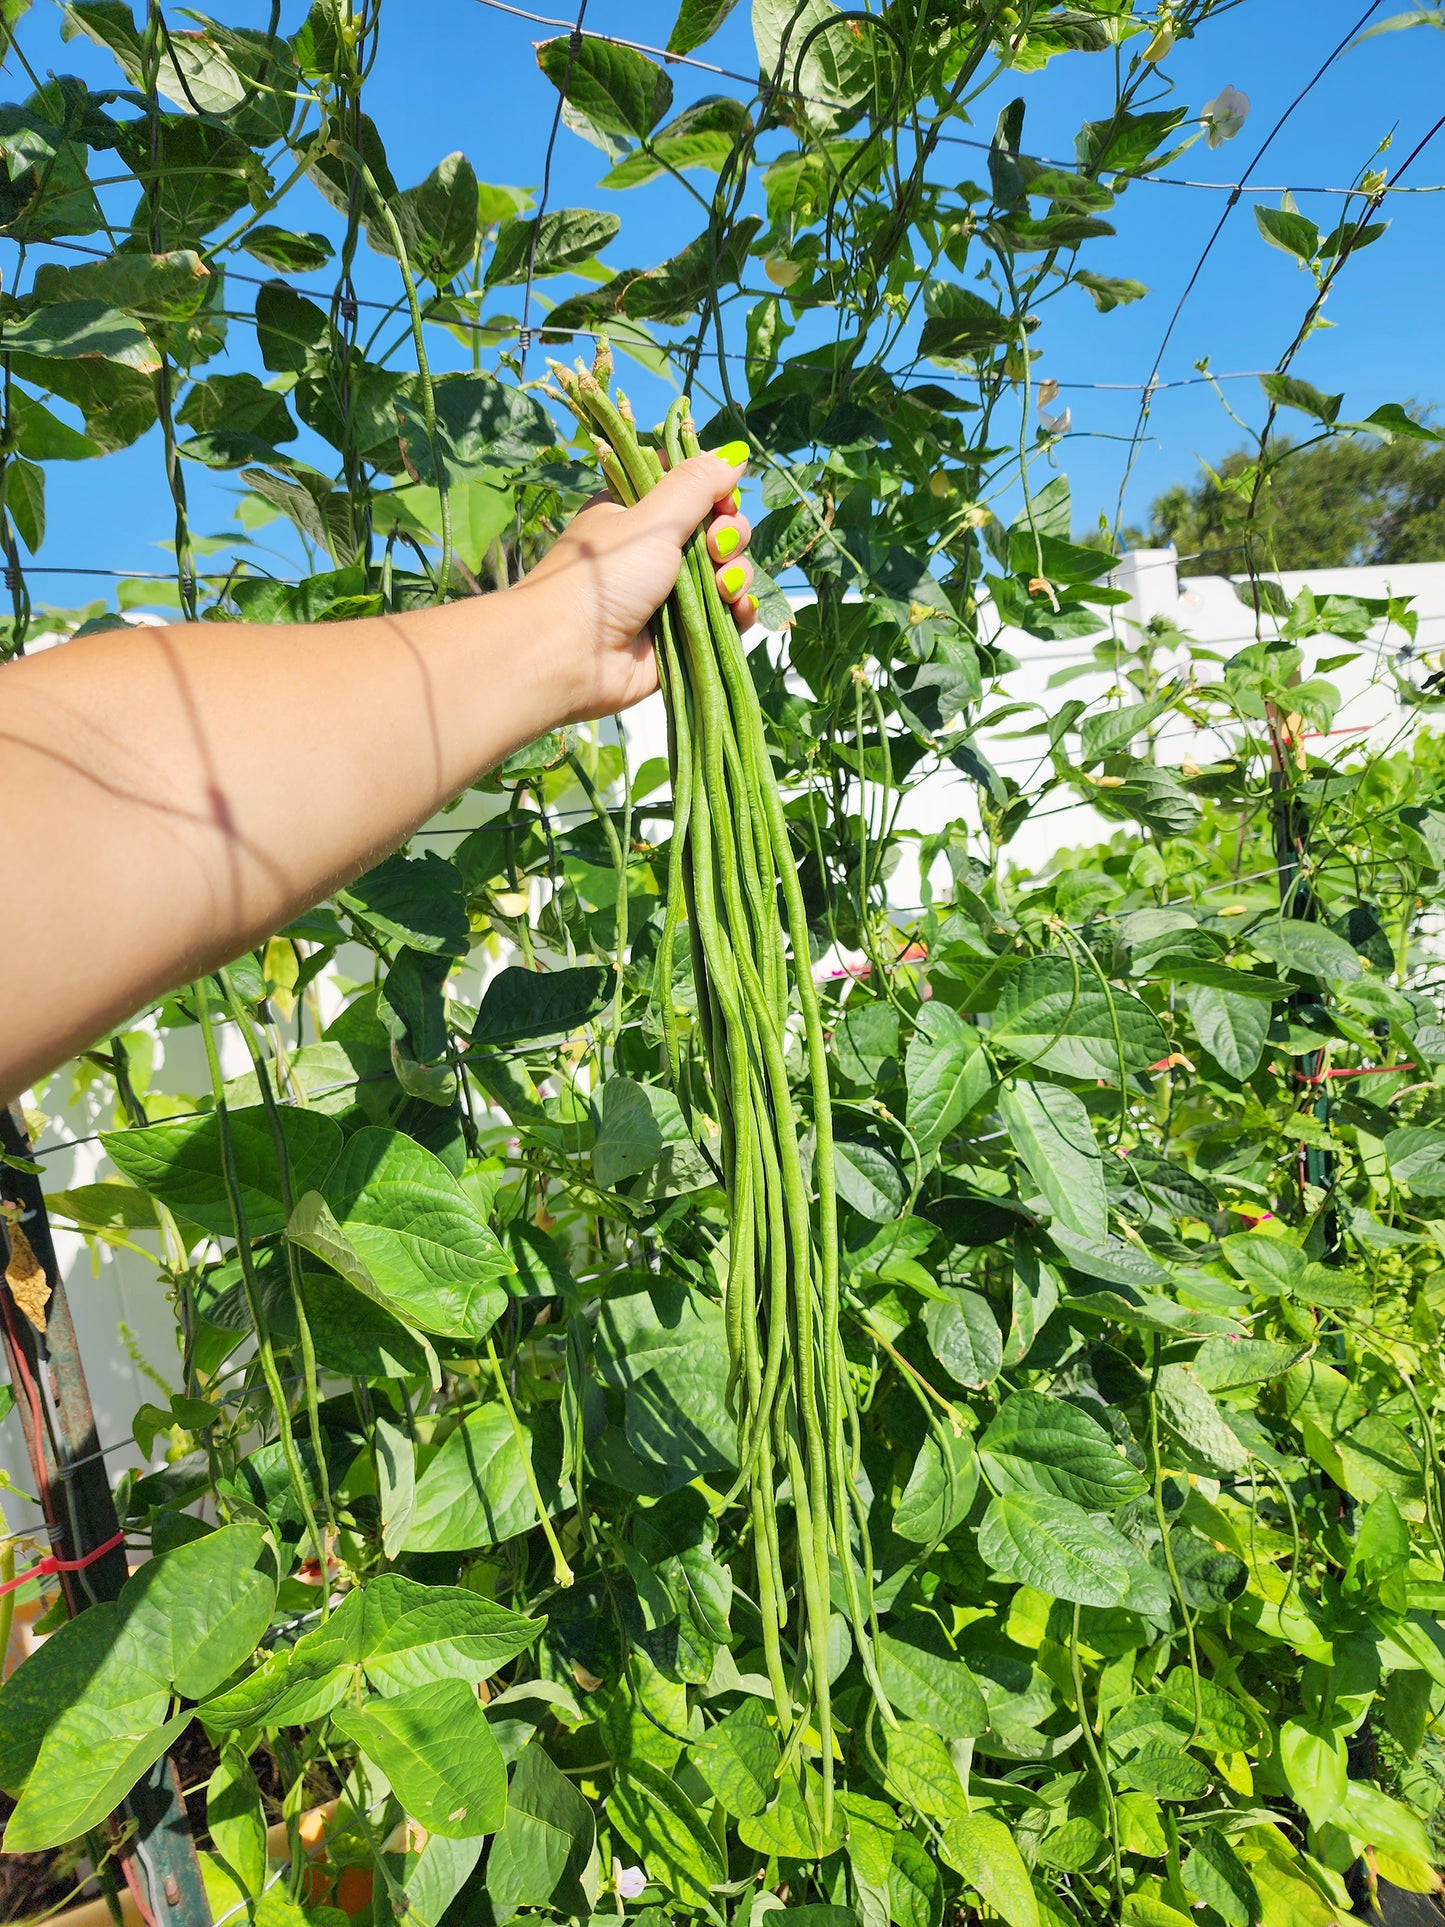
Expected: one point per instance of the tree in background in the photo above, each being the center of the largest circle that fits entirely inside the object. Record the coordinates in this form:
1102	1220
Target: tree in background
1333	504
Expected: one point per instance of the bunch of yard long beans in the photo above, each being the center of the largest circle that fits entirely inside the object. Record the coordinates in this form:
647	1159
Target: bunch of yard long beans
733	879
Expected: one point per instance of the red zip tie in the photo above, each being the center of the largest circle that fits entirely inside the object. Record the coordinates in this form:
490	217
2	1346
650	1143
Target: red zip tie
51	1564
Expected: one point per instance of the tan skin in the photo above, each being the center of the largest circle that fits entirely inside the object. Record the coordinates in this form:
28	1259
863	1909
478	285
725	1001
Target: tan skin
173	795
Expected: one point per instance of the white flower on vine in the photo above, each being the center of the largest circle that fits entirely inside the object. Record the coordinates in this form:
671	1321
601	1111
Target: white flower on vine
1224	115
1057	424
630	1882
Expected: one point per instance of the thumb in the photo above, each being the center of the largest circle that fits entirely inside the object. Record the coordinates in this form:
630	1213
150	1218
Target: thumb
685	494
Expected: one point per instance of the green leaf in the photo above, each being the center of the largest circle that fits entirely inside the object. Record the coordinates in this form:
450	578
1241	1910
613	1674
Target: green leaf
416	902
738	1759
1216	1876
74	330
1051	1131
564	239
964	1336
180	1165
921	1772
1226	1364
1055	1547
430	1253
940	1489
546	1838
870	1179
1053	1013
237	1822
947	1074
95	1657
75	1789
663	1828
931	1686
1231	1028
915	1887
204	1606
1197	1422
1309	948
982	1851
438	221
25	499
1111	730
395	1482
809	46
1415	1155
1045	1444
1288	391
697	21
287	252
412	1634
525	1006
1291	233
475	1492
618	90
435	1746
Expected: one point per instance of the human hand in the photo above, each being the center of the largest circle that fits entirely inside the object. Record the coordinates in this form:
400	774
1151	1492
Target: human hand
610	571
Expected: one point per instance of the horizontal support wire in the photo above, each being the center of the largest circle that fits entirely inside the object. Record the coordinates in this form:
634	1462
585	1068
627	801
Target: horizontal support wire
953	140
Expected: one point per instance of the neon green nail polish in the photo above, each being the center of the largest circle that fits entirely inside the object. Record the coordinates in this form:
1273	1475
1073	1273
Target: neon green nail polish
734	453
737	499
727	541
733	579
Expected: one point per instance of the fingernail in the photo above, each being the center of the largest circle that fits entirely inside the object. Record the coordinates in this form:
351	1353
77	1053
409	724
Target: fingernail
733	579
737	499
727	541
734	454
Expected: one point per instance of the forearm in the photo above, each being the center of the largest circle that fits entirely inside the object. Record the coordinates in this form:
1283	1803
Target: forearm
185	791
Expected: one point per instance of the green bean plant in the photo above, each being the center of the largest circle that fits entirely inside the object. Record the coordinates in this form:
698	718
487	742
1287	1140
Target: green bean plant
703	1388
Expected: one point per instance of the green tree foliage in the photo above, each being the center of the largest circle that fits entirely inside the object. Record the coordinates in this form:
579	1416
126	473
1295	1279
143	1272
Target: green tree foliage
1332	505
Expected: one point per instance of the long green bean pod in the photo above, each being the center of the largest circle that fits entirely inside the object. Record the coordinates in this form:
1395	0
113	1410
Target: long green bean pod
733	880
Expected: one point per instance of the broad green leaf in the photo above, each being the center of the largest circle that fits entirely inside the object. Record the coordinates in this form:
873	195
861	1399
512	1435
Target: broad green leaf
631	1122
1232	1028
395	1482
237	1822
1055	1547
789	1827
981	1850
921	1771
1197	1422
484	426
547	1836
90	1657
1215	1875
66	330
1288	391
940	1488
915	1887
430	1253
1162	1768
475	1492
1046	1445
412	1634
870	1179
697	21
1378	1821
288	252
964	1336
808	46
1226	1364
1110	730
78	1782
738	1758
619	91
1050	1130
948	1072
931	1686
1288	231
1415	1155
557	242
180	1164
657	1820
435	1746
1309	948
1054	1013
202	1608
418	902
438	221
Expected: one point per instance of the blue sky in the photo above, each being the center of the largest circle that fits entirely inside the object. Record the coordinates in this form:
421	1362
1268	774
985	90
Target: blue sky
460	74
